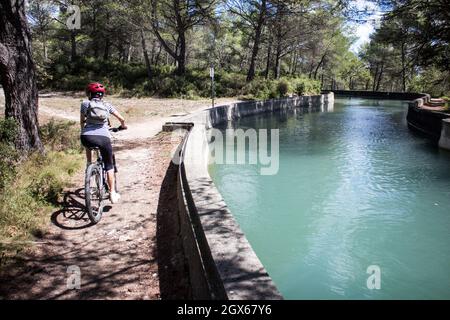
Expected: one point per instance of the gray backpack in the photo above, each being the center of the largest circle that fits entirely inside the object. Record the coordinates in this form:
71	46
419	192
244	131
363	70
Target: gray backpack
97	113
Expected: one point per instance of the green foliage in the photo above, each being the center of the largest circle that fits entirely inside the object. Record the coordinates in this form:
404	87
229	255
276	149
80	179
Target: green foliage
315	43
32	189
259	89
283	88
8	131
8	153
408	51
306	86
61	135
431	81
75	76
229	84
54	170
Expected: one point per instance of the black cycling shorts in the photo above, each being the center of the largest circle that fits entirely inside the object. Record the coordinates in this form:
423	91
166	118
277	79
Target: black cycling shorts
104	144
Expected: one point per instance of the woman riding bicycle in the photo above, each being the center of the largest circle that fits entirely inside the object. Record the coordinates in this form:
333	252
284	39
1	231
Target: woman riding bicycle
94	121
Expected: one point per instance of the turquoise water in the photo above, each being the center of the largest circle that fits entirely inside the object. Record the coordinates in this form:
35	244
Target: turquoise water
355	188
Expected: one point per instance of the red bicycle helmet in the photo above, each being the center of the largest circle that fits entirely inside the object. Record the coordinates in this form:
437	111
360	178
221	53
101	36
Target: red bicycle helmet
94	88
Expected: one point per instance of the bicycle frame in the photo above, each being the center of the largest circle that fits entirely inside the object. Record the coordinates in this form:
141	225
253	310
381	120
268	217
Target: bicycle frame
98	169
102	165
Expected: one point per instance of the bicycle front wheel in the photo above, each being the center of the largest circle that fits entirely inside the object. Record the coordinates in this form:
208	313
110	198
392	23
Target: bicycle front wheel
93	190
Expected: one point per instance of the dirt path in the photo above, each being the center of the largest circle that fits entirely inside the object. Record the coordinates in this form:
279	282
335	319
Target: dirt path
116	259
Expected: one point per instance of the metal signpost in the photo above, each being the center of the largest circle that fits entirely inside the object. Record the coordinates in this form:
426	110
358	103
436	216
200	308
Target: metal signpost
211	74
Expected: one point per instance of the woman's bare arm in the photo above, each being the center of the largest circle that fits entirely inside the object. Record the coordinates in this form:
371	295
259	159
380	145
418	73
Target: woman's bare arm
120	118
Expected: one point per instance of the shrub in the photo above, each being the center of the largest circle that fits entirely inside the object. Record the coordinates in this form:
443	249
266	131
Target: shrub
32	190
283	88
8	131
27	201
300	88
8	153
230	84
257	89
54	170
167	87
305	86
61	135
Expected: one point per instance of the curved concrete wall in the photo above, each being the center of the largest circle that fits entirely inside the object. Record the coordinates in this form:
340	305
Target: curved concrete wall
427	122
444	141
432	124
221	262
408	96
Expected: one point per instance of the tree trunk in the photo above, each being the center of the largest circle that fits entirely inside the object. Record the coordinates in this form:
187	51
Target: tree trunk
94	33
295	63
107	40
18	75
152	54
380	76
158	55
319	65
375	79
181	56
106	51
291	62
45	48
269	53
73	45
146	58
277	68
130	52
403	68
251	70
279	39
257	40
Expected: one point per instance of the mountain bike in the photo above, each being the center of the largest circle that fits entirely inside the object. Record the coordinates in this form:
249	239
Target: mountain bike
96	188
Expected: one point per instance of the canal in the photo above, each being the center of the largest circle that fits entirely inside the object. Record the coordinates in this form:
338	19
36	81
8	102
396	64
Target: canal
355	190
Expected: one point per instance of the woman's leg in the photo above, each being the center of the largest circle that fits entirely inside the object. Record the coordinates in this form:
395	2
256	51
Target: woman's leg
88	156
88	143
111	180
107	155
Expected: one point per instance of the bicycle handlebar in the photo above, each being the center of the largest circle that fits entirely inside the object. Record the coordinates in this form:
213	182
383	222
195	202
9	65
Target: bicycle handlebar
119	128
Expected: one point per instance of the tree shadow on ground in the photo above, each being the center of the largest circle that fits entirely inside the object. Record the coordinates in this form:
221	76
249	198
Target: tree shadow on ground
33	277
172	266
73	214
106	262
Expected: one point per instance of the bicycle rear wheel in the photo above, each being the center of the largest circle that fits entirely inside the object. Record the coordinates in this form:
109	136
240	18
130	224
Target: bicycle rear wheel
94	191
